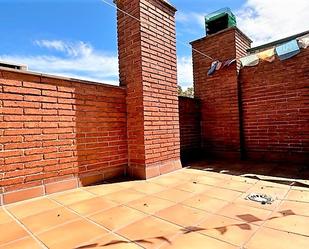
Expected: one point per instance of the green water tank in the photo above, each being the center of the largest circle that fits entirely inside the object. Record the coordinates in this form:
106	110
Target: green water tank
219	20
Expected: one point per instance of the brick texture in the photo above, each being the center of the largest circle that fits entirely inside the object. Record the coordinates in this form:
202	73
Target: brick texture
190	128
275	109
53	129
147	63
218	93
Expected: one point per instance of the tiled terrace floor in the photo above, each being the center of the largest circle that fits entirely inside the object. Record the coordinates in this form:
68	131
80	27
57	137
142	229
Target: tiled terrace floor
186	209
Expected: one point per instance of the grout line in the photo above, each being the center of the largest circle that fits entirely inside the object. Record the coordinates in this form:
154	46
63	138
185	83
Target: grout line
25	228
262	225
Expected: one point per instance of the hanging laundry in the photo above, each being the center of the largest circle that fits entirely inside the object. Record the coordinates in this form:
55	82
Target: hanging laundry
250	60
212	68
267	55
218	66
287	50
303	41
228	63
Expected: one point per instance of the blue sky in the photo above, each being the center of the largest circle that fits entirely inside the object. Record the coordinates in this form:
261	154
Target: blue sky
78	38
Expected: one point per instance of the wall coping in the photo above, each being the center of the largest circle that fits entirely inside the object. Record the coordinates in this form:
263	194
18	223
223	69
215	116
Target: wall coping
56	77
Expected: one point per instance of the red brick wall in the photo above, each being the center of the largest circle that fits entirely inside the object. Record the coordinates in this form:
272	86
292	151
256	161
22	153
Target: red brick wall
53	130
275	109
190	127
147	55
218	93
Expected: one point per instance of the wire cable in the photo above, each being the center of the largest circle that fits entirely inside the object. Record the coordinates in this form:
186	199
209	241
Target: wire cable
137	19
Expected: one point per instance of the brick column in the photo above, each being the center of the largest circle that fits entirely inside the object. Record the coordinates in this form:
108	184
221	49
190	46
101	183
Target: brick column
147	64
218	93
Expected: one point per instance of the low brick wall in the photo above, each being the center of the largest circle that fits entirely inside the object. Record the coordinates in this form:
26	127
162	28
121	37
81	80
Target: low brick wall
57	134
190	128
275	109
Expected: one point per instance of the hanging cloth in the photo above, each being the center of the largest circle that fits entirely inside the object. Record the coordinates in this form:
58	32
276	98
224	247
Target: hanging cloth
267	55
228	63
287	50
303	41
212	68
219	65
250	60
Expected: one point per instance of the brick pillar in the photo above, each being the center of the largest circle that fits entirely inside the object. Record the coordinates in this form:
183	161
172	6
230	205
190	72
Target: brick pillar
147	65
218	93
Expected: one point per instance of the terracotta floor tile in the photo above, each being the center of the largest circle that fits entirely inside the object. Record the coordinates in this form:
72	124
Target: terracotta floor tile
298	195
274	192
70	197
11	231
227	229
110	241
148	188
150	204
71	235
184	176
193	187
196	241
124	196
32	207
104	189
167	181
244	179
48	219
222	194
182	215
117	217
4	217
213	181
150	232
238	185
288	221
299	208
245	213
24	243
274	239
92	205
205	203
174	195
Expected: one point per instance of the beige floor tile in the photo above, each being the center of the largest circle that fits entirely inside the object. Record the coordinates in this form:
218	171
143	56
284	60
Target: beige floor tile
124	196
11	231
196	241
299	208
174	195
92	205
32	207
117	217
48	219
227	229
205	203
288	221
193	187
149	232
238	185
298	195
24	243
245	213
182	215
213	181
110	241
244	179
274	239
71	235
150	204
148	188
104	189
222	194
70	197
274	192
167	181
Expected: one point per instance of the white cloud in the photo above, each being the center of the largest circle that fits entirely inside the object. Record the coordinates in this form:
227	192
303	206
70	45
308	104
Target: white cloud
264	20
79	60
185	71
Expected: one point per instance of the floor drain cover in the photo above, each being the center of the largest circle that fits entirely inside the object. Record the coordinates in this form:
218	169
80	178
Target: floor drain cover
261	198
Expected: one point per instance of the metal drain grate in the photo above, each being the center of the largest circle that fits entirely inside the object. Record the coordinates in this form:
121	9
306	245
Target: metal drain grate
261	198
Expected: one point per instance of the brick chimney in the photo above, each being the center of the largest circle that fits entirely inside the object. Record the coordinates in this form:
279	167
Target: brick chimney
147	65
218	93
